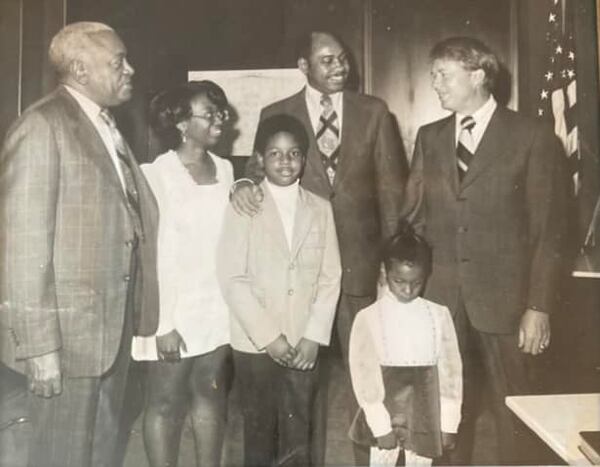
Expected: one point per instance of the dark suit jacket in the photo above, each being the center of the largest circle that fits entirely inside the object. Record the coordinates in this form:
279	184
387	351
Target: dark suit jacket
66	242
367	191
498	236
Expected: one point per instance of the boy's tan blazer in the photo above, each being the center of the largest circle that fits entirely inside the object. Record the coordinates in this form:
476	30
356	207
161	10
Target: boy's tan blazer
367	192
271	290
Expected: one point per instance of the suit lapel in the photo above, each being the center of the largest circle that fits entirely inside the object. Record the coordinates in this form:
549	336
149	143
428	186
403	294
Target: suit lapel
272	219
350	126
94	149
492	145
313	159
302	222
447	139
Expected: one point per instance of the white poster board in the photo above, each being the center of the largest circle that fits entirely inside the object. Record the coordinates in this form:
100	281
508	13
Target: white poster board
248	91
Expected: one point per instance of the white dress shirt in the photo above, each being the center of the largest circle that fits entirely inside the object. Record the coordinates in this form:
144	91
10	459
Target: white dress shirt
315	109
286	200
482	117
92	110
392	333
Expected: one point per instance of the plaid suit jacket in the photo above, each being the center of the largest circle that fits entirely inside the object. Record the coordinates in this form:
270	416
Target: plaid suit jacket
66	242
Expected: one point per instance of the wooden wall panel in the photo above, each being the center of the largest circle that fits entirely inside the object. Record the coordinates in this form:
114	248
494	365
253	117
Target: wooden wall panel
42	19
10	44
403	33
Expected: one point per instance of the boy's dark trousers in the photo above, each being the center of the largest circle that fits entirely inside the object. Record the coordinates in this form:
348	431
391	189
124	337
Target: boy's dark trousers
277	405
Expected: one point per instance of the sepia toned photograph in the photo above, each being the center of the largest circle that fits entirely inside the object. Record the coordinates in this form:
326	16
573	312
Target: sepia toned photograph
299	233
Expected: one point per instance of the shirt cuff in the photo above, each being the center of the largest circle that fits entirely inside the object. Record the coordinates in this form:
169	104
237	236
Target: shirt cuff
450	415
378	419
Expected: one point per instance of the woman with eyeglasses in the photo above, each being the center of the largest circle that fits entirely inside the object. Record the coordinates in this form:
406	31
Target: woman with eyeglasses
189	358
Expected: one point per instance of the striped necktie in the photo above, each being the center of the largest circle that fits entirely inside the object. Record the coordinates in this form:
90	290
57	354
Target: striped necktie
328	137
131	191
465	150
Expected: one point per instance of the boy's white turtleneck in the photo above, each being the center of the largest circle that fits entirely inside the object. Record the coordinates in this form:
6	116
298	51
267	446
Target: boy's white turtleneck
286	199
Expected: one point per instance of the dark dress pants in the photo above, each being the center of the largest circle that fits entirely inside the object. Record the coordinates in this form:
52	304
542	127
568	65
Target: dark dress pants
277	405
493	368
83	426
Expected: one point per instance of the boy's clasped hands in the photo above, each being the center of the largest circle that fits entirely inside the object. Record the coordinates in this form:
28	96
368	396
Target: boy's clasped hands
302	357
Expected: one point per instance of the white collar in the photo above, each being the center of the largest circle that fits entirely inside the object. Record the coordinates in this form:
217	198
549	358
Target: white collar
283	191
390	299
313	96
91	109
482	115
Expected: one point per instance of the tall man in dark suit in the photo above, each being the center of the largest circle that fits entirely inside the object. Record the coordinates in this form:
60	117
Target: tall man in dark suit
355	159
488	188
77	250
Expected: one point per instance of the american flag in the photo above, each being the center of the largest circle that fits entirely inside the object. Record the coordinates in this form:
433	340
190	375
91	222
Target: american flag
558	94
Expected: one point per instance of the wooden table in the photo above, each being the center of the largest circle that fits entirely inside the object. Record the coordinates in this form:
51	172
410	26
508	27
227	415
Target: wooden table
558	419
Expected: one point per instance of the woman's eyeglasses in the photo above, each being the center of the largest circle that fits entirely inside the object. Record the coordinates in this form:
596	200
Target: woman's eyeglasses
211	117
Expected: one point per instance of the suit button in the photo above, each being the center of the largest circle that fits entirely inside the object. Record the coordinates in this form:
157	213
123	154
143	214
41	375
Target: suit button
126	278
463	229
464	260
129	243
291	292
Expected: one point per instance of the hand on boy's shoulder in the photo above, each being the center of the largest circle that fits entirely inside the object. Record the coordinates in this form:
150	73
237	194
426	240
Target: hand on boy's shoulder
388	441
281	351
246	198
307	352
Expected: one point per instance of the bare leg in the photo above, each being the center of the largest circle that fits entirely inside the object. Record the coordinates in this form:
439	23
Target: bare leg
210	384
166	404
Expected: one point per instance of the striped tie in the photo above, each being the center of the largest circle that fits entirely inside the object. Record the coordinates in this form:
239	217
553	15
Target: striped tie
465	149
133	200
328	137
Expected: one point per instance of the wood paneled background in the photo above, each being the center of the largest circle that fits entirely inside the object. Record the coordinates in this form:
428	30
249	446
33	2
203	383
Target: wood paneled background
389	41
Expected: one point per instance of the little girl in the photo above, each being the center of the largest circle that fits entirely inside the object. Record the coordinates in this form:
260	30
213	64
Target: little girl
405	364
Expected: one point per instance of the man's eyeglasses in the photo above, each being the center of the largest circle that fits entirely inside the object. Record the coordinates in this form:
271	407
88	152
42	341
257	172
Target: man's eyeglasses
211	117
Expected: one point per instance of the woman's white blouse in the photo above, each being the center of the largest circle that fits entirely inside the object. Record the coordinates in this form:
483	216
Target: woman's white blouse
191	216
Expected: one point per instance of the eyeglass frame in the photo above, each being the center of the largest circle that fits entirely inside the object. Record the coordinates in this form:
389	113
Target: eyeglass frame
211	116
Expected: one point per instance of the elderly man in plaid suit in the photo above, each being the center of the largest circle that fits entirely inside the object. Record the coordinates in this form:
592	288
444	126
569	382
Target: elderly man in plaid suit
77	250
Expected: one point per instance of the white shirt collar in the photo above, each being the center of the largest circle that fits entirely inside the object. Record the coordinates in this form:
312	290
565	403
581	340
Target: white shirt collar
90	108
313	104
313	97
482	117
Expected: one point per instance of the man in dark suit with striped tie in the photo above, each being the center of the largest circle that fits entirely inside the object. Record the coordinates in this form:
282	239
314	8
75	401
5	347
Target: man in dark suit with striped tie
77	251
489	188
